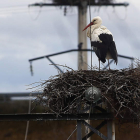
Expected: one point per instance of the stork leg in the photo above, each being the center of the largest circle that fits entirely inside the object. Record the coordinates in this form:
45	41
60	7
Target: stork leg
108	64
99	64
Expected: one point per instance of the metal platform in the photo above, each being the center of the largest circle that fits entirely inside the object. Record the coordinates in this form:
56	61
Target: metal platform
52	117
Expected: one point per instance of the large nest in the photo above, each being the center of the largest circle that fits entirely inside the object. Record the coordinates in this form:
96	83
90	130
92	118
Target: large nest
119	88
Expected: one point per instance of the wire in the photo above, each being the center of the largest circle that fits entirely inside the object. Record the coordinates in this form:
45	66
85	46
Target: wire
125	16
98	10
13	6
18	10
91	62
14	11
29	110
11	9
72	133
106	11
37	14
90	33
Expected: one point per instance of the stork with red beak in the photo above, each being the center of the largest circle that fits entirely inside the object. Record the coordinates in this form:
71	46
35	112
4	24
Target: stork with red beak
102	41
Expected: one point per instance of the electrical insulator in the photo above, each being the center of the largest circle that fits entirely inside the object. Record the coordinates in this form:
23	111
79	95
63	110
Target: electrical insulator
31	68
65	11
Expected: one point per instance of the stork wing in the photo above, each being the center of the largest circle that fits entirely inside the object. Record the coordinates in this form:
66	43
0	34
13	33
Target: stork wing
100	50
102	41
113	51
108	41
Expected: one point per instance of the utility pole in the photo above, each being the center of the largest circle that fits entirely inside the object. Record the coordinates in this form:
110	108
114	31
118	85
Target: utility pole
82	56
82	37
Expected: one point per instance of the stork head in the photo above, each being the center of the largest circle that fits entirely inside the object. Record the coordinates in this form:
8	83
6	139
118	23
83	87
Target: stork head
96	21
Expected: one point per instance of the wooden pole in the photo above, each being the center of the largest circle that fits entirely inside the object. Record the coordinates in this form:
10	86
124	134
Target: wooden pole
111	130
110	126
82	37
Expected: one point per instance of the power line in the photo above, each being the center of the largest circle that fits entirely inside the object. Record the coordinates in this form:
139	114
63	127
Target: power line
36	15
24	11
13	6
11	9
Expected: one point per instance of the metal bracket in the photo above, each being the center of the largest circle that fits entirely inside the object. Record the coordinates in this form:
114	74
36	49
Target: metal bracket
100	109
79	130
92	105
54	64
73	50
95	130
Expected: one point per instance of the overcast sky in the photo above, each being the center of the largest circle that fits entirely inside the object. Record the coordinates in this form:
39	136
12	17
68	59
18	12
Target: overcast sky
27	33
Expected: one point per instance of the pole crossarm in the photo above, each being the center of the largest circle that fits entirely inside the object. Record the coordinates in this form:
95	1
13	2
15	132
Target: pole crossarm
54	54
45	117
54	64
78	4
73	50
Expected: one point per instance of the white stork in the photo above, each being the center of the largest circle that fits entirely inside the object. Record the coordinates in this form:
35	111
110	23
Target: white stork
102	41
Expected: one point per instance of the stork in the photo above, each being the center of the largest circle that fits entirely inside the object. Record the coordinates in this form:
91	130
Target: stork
102	41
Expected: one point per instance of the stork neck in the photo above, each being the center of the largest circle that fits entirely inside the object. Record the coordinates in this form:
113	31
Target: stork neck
95	26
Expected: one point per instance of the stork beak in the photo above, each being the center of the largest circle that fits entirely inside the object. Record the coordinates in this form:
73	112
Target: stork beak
88	26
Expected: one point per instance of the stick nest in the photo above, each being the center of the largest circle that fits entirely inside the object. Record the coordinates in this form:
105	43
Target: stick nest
119	88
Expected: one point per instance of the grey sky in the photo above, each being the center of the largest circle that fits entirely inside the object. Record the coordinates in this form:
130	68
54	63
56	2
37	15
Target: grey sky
22	38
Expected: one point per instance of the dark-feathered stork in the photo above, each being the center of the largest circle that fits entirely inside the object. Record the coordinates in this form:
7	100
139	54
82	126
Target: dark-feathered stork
102	41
